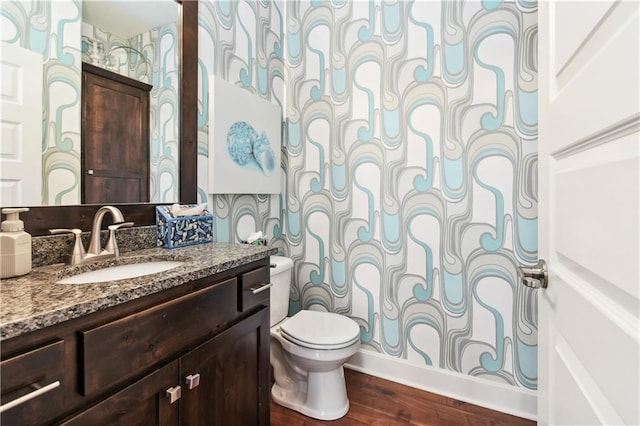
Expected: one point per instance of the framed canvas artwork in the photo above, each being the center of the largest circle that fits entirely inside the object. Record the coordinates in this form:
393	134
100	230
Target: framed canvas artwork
244	141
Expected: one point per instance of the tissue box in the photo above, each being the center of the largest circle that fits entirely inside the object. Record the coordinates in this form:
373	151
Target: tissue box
172	232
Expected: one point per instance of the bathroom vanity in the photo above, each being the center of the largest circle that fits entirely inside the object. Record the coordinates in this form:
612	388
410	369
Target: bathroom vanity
186	346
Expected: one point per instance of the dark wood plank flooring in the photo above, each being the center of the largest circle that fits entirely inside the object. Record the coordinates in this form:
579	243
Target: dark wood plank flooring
375	401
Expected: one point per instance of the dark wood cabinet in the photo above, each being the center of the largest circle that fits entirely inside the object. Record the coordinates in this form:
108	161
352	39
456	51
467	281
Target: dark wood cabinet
191	355
220	382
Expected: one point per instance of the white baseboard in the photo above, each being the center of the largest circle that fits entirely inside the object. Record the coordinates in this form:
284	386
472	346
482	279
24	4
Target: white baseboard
495	396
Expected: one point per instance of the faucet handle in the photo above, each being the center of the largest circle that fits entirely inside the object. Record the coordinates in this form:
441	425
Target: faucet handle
75	231
78	253
112	244
120	225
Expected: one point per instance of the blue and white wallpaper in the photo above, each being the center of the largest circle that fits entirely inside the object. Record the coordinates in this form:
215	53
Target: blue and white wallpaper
409	160
410	163
241	42
54	29
54	32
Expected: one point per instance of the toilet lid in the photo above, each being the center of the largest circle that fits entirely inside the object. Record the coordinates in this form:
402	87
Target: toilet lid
320	330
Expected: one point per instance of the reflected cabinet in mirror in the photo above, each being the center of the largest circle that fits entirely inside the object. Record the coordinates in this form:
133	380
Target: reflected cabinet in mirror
164	58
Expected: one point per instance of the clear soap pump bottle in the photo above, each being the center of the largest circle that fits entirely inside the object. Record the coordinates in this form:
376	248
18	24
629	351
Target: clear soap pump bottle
15	245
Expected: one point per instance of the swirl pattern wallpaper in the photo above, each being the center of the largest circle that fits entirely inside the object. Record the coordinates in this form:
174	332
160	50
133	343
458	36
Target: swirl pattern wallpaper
409	160
55	34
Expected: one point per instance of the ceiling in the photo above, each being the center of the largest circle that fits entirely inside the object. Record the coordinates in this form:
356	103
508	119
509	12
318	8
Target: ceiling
128	18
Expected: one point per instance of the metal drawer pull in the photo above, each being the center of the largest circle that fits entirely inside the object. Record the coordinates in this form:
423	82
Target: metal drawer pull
174	394
24	398
192	380
260	288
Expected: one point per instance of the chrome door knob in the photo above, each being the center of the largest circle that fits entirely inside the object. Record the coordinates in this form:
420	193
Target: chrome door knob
536	276
174	394
192	381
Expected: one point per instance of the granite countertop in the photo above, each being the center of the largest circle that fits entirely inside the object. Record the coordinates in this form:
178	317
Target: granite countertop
35	301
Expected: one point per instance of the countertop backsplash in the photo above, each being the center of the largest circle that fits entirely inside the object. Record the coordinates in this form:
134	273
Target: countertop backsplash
51	249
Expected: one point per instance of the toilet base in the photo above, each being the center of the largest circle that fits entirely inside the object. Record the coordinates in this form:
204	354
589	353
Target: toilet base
312	402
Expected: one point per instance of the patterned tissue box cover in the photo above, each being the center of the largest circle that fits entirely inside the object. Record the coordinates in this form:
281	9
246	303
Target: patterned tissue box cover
182	231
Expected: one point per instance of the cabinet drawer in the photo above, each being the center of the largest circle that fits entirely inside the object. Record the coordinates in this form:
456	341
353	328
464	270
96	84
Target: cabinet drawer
124	348
253	288
32	385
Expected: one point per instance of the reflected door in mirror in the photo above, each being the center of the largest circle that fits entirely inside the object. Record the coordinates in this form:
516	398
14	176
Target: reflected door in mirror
21	137
115	138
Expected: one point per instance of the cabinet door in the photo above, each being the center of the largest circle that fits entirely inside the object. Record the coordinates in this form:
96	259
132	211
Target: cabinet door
145	402
233	374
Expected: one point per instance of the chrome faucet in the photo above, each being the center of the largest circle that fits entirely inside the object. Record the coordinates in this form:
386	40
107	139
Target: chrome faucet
95	247
96	252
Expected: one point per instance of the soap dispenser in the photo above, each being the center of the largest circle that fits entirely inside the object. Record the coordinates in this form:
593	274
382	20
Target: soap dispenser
15	245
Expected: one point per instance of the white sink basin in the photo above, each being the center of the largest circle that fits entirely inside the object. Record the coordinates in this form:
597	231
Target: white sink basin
121	272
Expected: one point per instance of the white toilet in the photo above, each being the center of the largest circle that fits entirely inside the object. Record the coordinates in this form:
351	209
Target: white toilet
308	351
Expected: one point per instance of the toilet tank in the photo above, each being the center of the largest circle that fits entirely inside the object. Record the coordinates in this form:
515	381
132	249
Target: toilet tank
281	275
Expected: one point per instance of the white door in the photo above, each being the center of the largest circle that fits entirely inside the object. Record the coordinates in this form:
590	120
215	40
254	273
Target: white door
20	126
589	189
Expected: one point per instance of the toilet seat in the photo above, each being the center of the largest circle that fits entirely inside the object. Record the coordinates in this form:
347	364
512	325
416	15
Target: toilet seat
320	330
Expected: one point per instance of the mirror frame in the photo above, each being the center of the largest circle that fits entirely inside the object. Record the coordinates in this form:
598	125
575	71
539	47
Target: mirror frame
38	220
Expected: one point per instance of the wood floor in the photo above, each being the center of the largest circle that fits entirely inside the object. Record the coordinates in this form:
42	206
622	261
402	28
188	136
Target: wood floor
375	401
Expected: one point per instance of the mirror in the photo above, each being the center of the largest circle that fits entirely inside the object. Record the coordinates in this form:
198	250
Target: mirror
138	40
39	219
